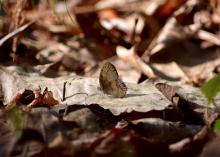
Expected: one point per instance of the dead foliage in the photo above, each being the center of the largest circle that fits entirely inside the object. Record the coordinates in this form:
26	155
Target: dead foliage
51	54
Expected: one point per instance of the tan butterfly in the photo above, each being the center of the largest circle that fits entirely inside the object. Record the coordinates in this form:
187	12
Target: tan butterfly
110	82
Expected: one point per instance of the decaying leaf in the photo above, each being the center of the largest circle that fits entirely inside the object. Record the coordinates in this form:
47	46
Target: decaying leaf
167	90
33	99
211	149
178	42
193	145
140	98
51	103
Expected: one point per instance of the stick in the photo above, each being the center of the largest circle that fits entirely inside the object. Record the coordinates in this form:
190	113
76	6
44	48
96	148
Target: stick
15	32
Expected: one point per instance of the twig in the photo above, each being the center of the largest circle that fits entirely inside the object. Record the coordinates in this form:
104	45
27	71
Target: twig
134	31
64	91
207	36
68	12
15	32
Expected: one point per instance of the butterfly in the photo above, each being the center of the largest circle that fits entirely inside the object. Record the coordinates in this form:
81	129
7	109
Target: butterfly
110	82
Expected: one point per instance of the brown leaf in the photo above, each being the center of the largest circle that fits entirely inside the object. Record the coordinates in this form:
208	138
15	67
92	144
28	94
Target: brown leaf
163	131
105	40
45	99
168	90
192	146
212	148
208	116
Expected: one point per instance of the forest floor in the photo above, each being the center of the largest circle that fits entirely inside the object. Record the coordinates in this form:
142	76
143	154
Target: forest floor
130	78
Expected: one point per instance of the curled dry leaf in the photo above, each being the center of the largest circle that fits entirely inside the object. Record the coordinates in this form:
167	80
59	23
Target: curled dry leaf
33	99
45	99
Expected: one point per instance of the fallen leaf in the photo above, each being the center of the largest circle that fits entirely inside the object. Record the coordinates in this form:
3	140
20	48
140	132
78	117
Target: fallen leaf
84	91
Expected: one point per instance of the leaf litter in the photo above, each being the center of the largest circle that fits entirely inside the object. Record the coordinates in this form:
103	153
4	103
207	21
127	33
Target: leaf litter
51	102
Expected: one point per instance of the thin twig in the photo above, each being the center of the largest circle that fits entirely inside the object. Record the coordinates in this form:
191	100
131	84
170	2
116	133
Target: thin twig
15	32
64	91
134	31
68	12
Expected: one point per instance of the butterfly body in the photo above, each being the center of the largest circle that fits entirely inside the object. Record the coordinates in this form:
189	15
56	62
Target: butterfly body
110	82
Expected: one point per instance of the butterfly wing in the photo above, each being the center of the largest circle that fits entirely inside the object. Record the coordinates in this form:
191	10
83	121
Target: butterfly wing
107	76
110	82
121	88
